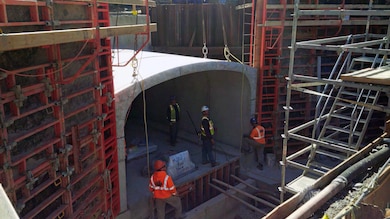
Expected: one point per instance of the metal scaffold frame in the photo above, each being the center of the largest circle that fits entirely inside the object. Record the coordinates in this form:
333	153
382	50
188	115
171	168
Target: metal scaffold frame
345	100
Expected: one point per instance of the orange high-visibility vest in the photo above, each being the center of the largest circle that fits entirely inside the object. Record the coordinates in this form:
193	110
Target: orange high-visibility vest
258	134
161	185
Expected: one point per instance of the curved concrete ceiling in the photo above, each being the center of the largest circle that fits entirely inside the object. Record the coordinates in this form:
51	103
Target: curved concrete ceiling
156	68
228	88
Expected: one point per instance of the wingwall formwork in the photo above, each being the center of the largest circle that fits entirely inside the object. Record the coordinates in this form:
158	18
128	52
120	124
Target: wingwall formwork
272	55
57	115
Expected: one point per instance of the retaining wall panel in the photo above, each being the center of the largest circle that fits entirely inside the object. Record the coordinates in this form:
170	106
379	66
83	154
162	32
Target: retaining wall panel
57	115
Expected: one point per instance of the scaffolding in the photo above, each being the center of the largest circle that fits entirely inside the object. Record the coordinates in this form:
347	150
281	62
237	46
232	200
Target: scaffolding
345	100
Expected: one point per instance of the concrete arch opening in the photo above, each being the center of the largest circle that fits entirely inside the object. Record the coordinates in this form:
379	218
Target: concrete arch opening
228	88
228	102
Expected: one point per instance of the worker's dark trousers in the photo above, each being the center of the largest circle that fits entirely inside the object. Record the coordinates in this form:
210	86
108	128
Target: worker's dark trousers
259	149
174	201
207	151
173	132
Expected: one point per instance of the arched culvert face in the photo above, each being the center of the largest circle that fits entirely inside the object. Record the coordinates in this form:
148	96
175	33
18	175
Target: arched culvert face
216	82
227	94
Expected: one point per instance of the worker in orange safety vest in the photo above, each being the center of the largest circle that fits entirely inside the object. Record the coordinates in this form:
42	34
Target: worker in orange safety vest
164	191
256	140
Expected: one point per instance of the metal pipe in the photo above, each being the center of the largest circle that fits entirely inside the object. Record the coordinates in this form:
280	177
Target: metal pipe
307	209
366	190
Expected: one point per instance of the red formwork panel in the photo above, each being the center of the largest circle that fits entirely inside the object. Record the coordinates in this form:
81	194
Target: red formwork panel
270	43
57	115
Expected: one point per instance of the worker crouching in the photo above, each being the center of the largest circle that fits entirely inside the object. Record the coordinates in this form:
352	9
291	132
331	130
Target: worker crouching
256	140
164	191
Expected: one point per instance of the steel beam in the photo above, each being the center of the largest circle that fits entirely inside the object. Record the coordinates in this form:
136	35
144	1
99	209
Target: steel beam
342	12
309	23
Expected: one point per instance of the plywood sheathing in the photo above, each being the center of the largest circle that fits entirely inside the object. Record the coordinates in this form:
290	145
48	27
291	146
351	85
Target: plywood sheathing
379	76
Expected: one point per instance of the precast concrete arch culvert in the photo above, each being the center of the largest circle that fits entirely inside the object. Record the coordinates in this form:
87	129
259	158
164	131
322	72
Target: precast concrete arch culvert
227	88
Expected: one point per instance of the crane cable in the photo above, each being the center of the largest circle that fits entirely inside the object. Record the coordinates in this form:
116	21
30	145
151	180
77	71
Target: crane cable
226	50
205	50
227	55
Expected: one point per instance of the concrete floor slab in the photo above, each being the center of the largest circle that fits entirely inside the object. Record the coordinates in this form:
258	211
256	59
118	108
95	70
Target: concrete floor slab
139	200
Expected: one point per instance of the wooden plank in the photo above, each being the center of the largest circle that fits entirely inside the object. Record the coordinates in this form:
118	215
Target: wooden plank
379	76
127	2
23	40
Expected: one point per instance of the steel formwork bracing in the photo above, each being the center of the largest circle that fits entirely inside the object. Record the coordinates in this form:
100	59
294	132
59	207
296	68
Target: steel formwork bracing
57	114
268	51
346	101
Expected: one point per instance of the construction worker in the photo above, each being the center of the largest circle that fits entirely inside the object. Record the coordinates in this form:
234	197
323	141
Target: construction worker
173	117
256	140
164	191
207	136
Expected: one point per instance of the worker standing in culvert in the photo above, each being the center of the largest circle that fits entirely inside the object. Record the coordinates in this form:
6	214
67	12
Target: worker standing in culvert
256	140
173	117
164	191
207	136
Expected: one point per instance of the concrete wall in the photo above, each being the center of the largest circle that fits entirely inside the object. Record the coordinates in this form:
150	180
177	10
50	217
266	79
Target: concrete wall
227	93
130	41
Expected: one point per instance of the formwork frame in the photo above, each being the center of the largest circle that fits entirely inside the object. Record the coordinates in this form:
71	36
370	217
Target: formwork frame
267	54
371	52
57	112
274	68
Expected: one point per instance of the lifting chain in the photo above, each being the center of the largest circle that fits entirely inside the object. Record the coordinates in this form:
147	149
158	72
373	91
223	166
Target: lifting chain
227	53
205	50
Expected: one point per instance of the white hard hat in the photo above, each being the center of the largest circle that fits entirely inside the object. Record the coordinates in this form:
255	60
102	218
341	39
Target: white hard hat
204	108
